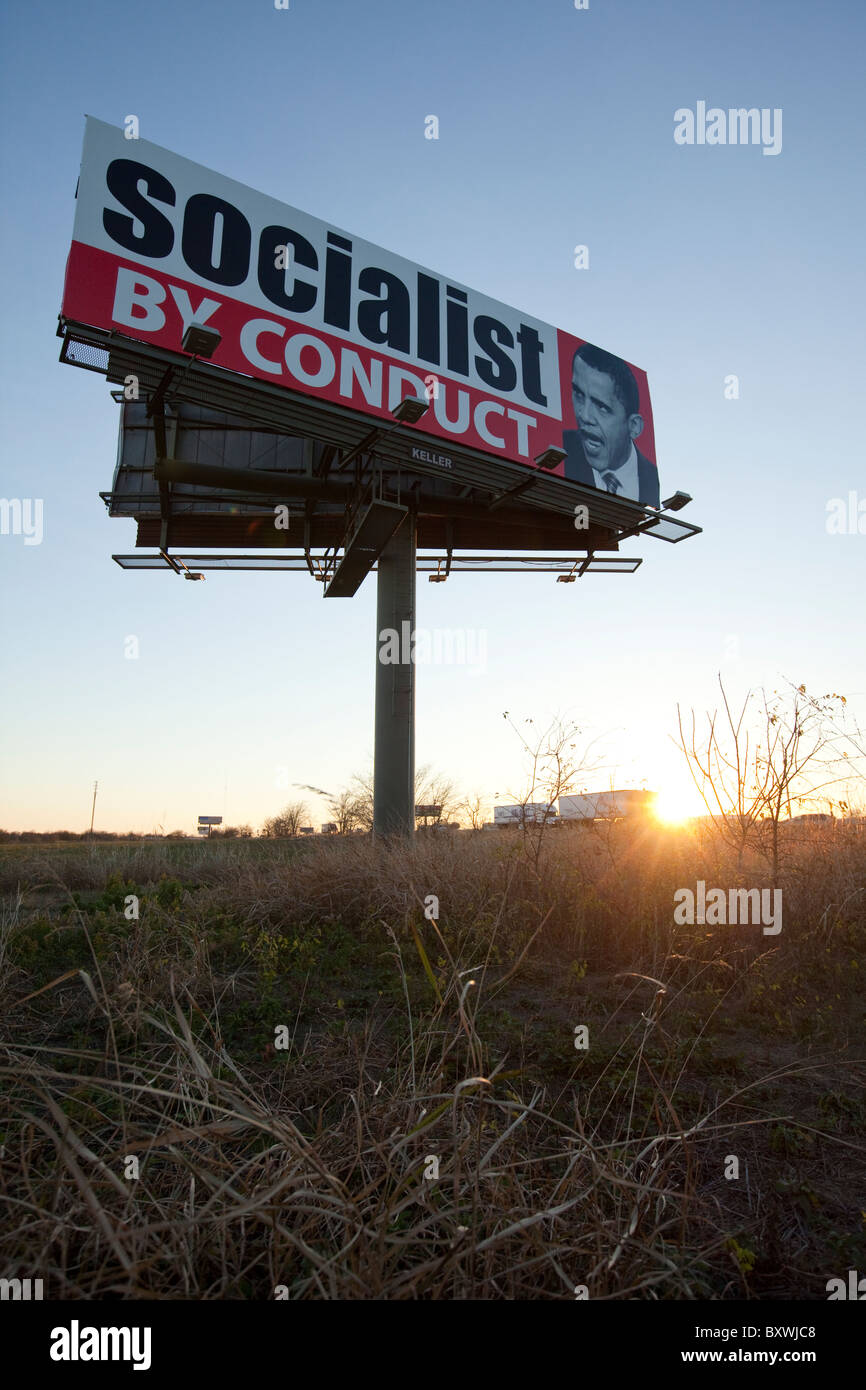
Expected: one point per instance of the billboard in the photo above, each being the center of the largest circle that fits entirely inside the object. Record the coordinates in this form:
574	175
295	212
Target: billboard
160	242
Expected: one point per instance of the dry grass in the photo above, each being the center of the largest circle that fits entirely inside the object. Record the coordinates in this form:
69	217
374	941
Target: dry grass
303	1168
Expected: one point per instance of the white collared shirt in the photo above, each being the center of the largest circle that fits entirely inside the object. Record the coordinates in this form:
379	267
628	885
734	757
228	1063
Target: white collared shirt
627	476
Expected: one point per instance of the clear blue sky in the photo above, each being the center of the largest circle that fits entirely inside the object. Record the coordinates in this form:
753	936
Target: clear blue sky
556	128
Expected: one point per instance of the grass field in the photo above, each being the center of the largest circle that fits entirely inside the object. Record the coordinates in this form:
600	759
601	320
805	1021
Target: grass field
282	1079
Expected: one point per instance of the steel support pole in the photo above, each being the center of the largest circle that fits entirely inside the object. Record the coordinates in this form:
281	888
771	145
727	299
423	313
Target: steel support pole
394	744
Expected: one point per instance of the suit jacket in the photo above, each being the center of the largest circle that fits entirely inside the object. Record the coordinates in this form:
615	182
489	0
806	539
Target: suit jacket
579	469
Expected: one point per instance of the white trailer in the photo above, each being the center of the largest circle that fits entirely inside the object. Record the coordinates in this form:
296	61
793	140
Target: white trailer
533	813
611	805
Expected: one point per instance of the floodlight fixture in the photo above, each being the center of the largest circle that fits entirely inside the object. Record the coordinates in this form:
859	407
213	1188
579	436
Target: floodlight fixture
677	502
550	457
200	340
410	410
179	566
407	412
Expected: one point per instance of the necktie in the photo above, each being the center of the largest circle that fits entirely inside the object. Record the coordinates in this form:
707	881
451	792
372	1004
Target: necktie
612	482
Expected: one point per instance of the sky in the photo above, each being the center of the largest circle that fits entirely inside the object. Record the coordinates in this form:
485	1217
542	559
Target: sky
556	129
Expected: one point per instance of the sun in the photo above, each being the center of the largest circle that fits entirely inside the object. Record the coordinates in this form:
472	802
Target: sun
674	806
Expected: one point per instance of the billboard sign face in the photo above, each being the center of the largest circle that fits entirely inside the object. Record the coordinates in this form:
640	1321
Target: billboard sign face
160	242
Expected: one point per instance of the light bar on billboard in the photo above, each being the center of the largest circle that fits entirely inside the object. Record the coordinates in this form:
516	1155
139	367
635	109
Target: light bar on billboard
457	564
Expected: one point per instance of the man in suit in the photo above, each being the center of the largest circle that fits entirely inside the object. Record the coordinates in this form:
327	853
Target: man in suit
601	452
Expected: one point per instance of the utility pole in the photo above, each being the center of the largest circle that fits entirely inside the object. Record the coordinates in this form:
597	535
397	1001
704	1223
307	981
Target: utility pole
93	808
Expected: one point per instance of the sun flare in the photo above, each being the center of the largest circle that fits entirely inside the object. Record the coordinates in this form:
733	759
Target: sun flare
673	806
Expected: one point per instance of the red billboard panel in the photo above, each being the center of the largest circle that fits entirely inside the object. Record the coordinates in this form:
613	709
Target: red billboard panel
160	242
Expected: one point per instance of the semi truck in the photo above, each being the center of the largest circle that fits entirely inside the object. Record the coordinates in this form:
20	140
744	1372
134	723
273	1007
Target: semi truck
580	809
532	813
612	805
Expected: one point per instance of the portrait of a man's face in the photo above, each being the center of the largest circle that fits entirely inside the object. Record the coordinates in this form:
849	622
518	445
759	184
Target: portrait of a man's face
606	427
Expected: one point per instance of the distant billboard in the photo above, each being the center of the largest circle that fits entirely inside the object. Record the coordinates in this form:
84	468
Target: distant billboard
210	820
160	242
